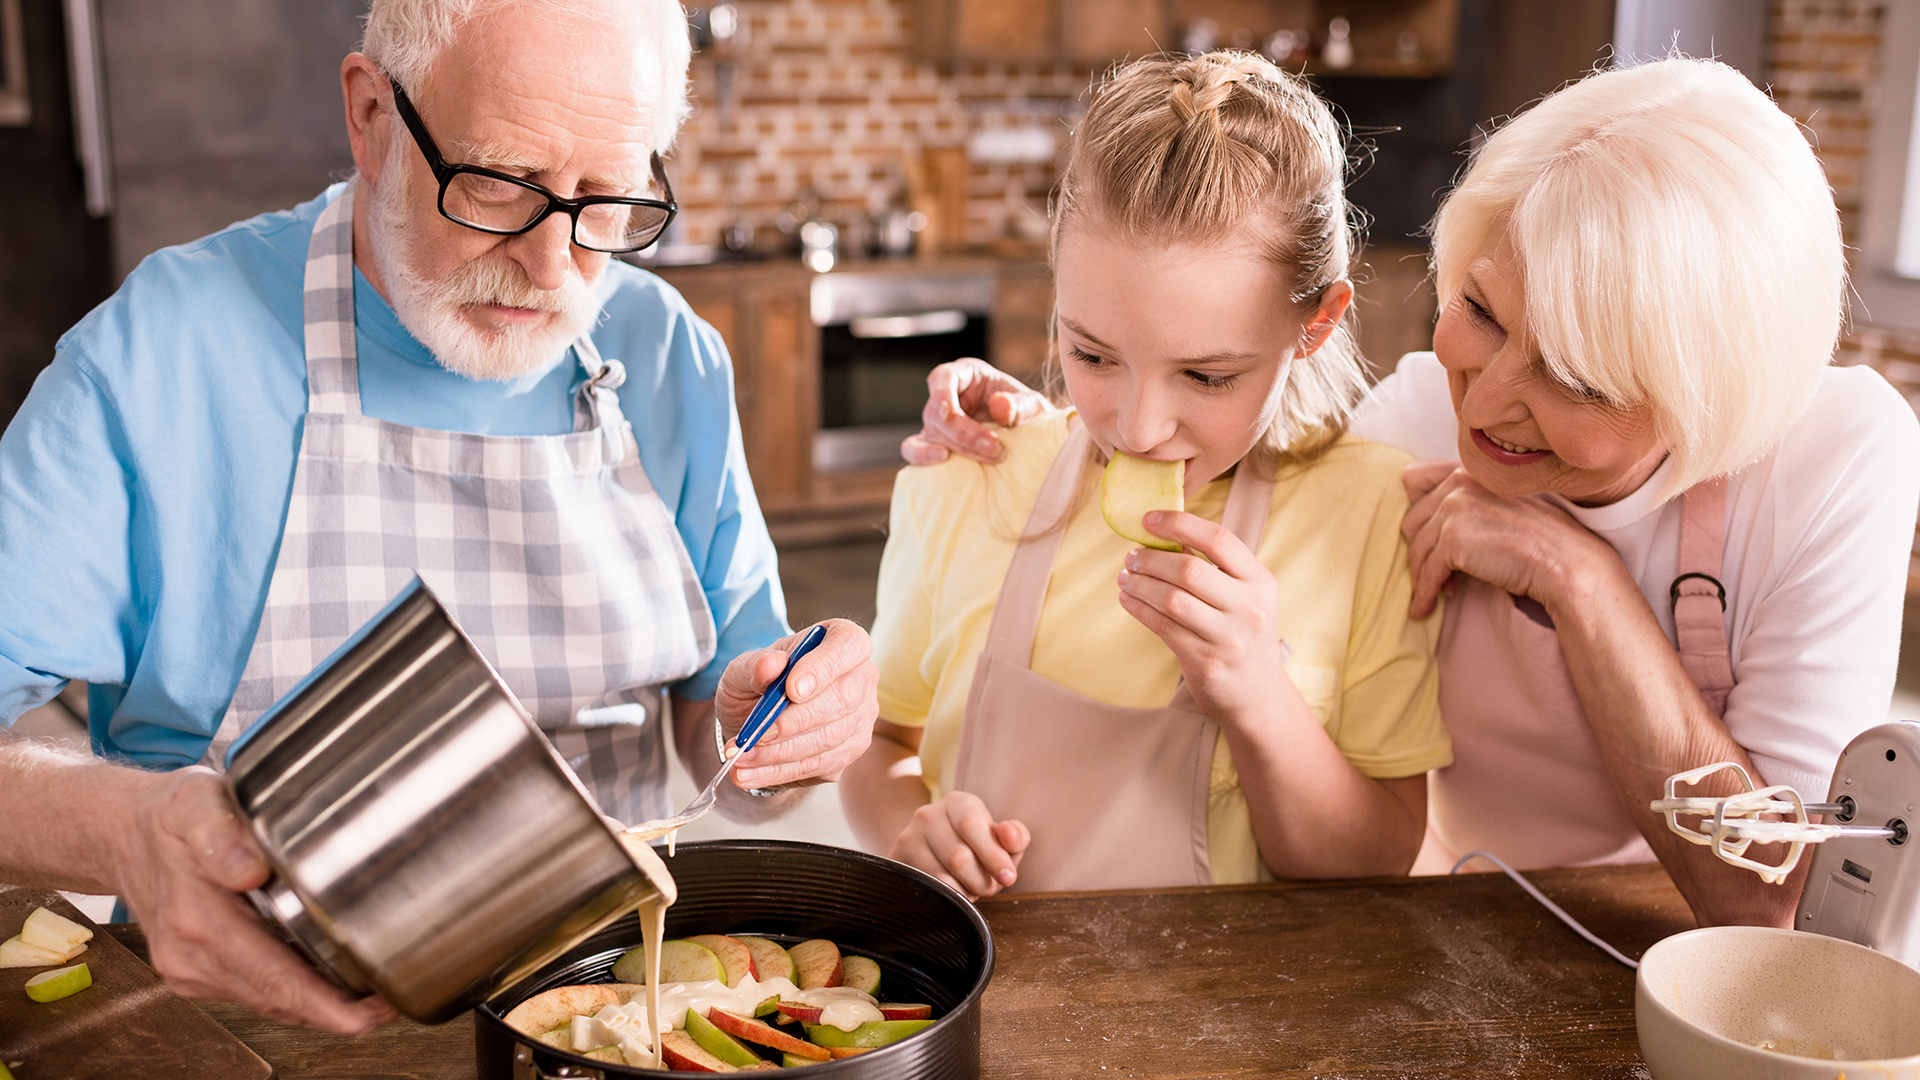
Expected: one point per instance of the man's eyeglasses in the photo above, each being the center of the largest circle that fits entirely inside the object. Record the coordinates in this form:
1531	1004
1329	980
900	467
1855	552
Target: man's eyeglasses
494	202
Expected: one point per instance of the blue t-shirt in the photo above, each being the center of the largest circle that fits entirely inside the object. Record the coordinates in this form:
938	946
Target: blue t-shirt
145	482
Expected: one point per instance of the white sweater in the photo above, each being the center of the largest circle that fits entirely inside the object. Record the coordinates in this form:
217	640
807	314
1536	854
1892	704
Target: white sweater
1819	533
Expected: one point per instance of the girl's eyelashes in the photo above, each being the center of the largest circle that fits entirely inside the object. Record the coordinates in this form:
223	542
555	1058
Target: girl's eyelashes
1081	356
1207	381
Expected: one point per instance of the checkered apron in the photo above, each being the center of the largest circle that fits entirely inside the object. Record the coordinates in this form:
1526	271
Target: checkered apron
554	553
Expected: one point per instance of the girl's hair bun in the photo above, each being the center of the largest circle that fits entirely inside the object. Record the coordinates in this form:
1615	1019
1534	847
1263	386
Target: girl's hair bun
1227	148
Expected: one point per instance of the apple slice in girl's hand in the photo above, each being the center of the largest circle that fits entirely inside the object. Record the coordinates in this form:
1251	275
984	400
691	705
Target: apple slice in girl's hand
1133	487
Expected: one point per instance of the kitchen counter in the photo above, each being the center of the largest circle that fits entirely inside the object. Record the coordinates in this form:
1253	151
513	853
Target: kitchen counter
1402	977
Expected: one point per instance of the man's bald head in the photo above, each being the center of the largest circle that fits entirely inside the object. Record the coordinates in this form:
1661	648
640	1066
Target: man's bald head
406	37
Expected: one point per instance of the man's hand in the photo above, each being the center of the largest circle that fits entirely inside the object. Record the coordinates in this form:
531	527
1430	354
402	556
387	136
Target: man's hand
829	722
956	840
961	394
184	865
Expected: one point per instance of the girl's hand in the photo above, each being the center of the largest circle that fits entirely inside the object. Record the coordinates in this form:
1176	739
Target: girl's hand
1216	614
956	840
1526	546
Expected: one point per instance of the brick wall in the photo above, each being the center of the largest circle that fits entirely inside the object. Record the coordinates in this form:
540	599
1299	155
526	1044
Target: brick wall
824	95
1824	66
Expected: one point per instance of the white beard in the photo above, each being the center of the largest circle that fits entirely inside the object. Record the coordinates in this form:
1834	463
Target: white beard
436	312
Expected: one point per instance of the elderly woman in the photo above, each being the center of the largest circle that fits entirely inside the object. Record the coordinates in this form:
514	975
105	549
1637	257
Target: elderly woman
1674	534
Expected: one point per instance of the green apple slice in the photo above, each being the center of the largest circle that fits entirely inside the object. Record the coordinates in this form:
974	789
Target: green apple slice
870	1034
1132	487
59	983
53	932
719	1043
860	973
680	961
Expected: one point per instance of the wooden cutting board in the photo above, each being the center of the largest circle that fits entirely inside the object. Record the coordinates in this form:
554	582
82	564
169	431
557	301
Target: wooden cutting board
126	1025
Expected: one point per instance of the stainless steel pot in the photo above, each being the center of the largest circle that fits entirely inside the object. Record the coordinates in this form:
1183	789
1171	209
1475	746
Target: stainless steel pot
931	943
427	842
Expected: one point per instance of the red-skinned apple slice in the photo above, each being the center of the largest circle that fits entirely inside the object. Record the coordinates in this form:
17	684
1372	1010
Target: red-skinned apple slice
733	953
818	962
679	1051
849	1051
770	959
754	1031
892	1011
801	1011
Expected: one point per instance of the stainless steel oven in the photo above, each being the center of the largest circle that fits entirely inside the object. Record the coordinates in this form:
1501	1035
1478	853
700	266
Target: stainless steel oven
881	332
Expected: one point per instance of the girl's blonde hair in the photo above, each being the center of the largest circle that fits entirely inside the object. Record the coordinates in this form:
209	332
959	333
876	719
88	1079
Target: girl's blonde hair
1226	148
1680	249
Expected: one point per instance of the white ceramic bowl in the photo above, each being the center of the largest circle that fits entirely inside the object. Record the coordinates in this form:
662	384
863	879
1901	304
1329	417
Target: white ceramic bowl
1708	1000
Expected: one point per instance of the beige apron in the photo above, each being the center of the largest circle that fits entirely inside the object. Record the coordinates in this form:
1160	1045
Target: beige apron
1527	781
1115	797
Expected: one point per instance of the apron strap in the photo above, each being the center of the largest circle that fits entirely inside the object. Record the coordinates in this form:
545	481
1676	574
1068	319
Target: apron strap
1698	599
1016	614
333	374
595	405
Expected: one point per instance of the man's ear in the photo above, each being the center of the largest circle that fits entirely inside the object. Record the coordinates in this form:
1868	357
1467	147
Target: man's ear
1333	307
370	118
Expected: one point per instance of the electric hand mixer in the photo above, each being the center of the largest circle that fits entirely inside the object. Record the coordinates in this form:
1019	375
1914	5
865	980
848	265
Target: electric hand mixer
1864	883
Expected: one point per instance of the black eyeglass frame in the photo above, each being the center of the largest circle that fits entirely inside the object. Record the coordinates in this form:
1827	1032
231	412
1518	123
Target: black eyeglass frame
443	172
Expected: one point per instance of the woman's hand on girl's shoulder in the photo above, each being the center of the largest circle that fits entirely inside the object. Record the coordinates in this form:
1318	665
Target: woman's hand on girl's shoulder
1525	545
955	839
961	396
1216	613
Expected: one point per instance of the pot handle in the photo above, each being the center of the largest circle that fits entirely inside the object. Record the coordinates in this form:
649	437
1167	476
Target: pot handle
524	1068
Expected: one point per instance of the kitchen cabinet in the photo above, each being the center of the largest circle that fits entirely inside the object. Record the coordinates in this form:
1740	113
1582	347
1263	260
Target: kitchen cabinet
1389	38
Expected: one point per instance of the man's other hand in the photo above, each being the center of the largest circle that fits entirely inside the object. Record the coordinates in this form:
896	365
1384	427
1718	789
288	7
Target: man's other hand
182	869
829	722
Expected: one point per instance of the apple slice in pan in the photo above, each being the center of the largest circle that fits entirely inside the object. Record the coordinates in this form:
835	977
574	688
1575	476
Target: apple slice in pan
871	1034
719	1043
1133	487
770	959
734	956
818	964
891	1011
755	1031
799	1012
861	973
679	1051
680	961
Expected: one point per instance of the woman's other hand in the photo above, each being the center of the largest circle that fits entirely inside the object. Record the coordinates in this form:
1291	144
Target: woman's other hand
1216	613
1524	545
955	839
961	394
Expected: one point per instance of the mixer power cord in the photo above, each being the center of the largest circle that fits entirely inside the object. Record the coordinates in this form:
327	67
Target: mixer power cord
1557	910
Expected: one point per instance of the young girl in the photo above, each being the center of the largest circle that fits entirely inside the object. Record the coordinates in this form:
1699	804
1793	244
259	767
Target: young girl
1256	705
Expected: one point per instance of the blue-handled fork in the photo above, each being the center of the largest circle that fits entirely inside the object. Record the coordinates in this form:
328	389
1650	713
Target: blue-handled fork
773	702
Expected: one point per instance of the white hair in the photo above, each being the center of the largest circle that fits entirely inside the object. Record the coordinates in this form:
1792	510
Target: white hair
1680	248
404	37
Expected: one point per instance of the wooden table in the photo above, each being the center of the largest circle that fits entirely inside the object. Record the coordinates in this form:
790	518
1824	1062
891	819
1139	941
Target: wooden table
1402	977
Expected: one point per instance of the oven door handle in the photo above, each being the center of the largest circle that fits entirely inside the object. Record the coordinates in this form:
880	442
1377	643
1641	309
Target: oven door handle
919	324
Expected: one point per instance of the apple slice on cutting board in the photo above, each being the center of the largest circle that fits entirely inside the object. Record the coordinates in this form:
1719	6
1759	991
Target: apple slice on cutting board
1132	487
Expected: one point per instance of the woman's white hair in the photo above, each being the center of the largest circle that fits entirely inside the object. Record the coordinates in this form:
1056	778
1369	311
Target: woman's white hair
1680	249
404	37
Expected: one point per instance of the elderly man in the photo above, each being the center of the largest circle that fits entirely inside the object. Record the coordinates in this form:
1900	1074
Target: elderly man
233	462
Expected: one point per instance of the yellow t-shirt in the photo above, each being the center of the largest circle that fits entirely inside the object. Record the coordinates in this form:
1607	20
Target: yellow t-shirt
1332	542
